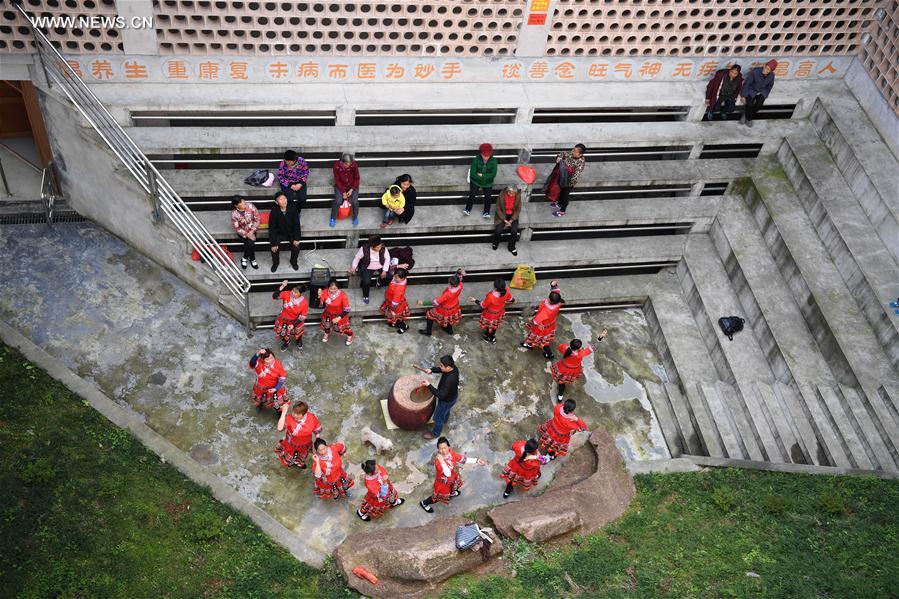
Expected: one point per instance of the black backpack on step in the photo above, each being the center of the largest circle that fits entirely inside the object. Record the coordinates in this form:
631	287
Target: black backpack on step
730	325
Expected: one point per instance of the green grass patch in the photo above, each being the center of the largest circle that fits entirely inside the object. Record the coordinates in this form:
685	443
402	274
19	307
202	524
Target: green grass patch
86	511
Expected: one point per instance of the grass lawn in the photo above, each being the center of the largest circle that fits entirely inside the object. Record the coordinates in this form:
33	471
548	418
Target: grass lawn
88	512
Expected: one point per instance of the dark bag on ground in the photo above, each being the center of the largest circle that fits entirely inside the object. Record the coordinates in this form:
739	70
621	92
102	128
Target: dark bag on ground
730	325
258	178
318	280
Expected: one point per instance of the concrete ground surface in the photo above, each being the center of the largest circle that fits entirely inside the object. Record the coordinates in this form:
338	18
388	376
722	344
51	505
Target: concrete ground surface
152	343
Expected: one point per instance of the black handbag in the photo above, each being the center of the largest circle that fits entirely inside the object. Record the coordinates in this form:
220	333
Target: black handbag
730	325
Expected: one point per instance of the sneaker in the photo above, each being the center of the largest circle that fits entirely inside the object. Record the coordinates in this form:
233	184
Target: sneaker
526	345
274	267
455	493
486	337
399	501
402	328
466	212
243	263
894	304
332	223
554	205
494	246
486	215
362	516
255	265
559	399
506	495
492	340
299	343
749	123
294	265
389	221
547	353
285	343
514	252
325	337
349	340
558	213
365	300
426	508
355	222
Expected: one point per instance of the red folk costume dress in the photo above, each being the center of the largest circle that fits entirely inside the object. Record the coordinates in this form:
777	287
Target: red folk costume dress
493	309
524	473
448	480
555	433
337	305
542	328
297	442
395	307
292	319
568	370
380	495
334	482
447	311
267	378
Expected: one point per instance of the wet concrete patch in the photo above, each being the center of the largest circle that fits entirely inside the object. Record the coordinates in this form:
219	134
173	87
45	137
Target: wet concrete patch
151	342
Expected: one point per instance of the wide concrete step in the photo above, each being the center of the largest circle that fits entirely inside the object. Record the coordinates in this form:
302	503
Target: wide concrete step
728	413
864	160
211	182
845	337
616	291
511	136
862	260
561	255
664	411
771	310
698	211
873	434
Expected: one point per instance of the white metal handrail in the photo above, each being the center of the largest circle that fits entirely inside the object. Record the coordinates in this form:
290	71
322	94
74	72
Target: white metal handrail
58	71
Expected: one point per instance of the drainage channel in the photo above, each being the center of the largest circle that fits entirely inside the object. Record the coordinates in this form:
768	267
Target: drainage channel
308	118
37	218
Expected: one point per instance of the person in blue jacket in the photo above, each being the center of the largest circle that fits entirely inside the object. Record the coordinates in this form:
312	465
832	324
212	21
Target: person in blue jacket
755	90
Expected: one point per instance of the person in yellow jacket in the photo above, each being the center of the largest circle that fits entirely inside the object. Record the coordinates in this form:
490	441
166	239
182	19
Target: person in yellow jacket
394	203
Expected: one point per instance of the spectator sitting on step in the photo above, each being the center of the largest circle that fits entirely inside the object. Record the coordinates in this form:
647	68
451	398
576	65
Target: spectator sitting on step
405	183
346	188
564	177
292	174
508	208
722	91
245	221
372	260
284	226
755	90
394	203
481	174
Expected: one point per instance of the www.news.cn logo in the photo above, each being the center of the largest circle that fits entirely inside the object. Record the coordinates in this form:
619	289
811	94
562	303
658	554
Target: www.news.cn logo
92	22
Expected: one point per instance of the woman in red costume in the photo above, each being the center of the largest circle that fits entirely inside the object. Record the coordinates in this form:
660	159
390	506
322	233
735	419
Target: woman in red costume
381	494
542	327
270	389
300	427
555	433
570	368
446	311
448	480
524	468
493	309
331	480
395	307
291	322
335	312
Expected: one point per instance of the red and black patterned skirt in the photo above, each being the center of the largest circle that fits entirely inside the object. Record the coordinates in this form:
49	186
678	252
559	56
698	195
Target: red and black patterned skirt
400	314
325	490
265	397
291	454
491	320
285	329
564	378
517	479
443	488
374	507
540	335
445	318
551	441
341	328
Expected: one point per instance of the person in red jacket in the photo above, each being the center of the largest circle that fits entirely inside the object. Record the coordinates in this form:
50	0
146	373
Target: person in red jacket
291	322
446	311
542	327
722	91
270	389
395	307
448	480
300	427
524	468
493	309
555	433
335	312
570	367
381	495
331	480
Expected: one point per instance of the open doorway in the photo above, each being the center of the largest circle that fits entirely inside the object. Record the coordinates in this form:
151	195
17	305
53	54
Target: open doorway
24	146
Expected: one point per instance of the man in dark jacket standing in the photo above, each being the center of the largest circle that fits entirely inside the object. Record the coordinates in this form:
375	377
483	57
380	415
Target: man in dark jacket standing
755	90
446	392
284	226
722	91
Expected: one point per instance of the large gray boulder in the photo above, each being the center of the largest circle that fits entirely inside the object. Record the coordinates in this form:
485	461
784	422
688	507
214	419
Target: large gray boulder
575	501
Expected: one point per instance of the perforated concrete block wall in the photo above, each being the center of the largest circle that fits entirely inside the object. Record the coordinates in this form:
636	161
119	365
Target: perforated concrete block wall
70	38
881	54
709	27
410	27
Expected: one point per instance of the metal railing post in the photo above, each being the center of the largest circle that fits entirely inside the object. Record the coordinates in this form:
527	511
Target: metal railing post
246	305
154	193
3	177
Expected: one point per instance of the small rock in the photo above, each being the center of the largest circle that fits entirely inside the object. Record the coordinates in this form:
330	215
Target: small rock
157	378
379	442
753	575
